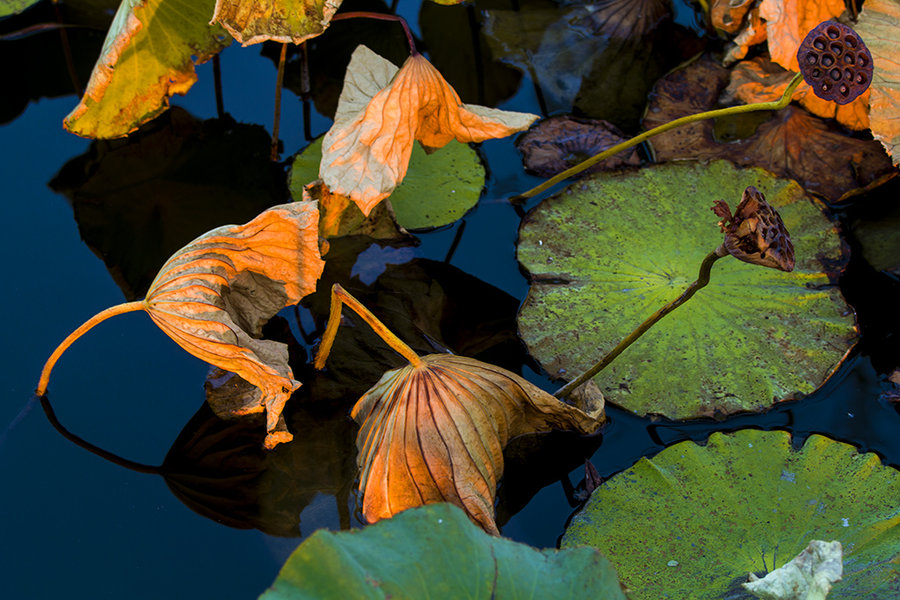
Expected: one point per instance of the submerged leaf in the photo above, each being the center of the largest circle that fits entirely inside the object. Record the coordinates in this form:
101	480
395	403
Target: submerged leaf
879	25
435	552
694	520
149	55
383	111
558	143
436	433
213	296
255	21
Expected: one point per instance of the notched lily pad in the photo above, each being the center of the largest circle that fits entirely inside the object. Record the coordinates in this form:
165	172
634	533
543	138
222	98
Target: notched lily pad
609	251
452	559
439	188
693	521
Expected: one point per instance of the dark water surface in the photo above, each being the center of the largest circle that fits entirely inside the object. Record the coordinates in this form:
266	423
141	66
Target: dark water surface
76	526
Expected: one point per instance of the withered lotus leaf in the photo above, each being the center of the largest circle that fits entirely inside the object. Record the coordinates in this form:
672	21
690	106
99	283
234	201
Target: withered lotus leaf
213	296
383	111
788	21
435	432
255	21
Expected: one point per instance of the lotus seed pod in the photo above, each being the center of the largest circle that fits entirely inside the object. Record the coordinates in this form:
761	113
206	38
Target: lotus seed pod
835	62
755	233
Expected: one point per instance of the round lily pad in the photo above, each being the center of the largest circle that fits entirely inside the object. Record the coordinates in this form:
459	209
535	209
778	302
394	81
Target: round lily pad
439	188
609	251
694	521
434	551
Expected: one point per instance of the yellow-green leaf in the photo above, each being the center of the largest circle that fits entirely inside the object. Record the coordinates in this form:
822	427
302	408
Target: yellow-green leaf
148	56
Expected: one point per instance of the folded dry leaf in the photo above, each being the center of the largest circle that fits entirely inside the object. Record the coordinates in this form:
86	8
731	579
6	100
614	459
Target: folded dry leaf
383	111
213	296
435	432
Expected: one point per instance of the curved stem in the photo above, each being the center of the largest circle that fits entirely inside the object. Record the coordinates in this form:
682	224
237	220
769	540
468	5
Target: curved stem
710	114
702	280
381	17
339	298
100	316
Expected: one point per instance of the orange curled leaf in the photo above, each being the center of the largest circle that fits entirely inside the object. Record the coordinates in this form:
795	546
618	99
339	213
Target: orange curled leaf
213	296
788	21
435	432
383	111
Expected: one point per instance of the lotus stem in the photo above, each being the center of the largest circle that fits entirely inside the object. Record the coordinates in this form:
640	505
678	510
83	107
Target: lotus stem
702	280
87	325
341	297
381	17
217	84
279	80
711	114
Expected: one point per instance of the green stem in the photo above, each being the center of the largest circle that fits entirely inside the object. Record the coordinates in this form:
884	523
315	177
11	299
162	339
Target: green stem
711	114
702	280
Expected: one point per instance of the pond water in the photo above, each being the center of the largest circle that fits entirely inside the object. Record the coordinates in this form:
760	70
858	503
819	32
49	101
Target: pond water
77	526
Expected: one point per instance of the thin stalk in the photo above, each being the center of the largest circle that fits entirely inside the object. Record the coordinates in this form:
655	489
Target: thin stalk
279	80
67	51
702	280
217	82
339	298
381	17
711	114
87	325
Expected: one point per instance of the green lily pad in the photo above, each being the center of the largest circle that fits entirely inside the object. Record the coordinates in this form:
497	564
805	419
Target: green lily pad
436	552
609	251
694	521
149	55
438	189
14	7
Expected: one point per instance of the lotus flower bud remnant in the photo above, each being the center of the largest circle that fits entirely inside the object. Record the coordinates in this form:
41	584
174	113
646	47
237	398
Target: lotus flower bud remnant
756	233
835	62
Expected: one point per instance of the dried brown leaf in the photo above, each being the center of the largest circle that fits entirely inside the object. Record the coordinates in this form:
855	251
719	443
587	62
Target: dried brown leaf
436	433
788	21
213	296
791	143
383	111
728	15
759	80
879	26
